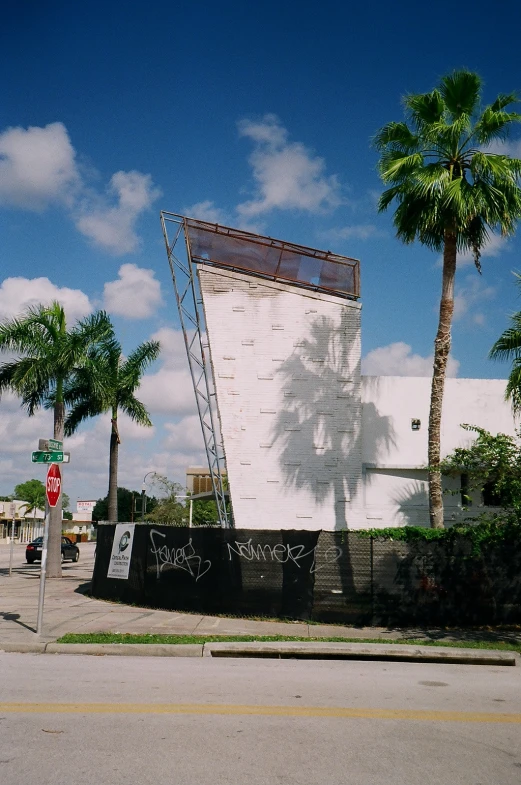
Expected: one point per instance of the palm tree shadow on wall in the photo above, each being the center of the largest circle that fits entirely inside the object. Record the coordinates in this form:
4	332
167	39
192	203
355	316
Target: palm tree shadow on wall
318	431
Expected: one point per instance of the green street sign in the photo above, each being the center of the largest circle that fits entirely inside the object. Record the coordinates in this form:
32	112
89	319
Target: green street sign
50	456
50	445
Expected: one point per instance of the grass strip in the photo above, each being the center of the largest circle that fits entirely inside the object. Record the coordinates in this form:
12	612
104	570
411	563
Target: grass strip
117	637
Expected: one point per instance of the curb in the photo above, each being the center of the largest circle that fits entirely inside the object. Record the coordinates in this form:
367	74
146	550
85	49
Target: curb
361	651
278	650
24	648
128	649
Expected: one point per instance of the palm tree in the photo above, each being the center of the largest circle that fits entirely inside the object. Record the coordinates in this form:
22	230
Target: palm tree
107	383
450	192
508	347
48	354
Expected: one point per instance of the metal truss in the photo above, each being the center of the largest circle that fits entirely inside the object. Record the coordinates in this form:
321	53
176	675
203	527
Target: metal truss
191	315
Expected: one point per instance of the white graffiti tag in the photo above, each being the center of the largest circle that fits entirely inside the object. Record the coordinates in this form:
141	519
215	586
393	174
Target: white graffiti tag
184	558
283	553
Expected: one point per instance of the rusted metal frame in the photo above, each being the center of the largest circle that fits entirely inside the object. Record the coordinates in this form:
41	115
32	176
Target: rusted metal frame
196	359
271	277
211	429
264	240
283	245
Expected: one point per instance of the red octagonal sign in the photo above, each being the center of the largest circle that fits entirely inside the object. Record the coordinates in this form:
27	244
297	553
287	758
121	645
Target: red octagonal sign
54	484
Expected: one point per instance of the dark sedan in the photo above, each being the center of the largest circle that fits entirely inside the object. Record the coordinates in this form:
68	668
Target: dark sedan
33	552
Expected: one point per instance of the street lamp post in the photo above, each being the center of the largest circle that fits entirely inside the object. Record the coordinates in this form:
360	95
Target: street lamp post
191	508
144	496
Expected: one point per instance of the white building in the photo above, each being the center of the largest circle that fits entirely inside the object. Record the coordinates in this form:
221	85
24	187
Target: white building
309	442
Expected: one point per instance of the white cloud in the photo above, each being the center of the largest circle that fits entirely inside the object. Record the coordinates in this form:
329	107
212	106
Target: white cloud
511	147
207	211
136	294
18	294
397	359
113	227
470	294
495	246
357	231
37	166
184	436
167	392
173	351
287	174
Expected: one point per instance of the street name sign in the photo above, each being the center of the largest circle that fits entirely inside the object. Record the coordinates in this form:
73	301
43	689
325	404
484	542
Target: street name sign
52	445
53	485
50	456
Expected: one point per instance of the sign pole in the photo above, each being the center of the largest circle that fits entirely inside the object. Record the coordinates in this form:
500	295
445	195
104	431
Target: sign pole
12	513
12	549
43	571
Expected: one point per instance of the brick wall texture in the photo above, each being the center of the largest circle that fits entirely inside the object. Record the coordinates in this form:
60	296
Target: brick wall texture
286	365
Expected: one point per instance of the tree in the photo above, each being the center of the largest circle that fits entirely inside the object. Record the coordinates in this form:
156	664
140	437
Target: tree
129	506
491	466
450	192
106	382
48	354
168	509
508	347
32	493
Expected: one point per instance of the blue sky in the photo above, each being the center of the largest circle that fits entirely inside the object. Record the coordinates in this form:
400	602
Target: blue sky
257	115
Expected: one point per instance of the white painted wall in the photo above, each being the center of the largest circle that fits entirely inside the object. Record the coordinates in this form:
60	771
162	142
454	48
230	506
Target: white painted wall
309	443
286	365
395	488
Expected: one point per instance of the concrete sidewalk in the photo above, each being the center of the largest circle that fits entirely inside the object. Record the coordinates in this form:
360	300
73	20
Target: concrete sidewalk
69	609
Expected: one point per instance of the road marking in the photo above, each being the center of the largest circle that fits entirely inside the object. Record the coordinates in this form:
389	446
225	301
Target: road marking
260	711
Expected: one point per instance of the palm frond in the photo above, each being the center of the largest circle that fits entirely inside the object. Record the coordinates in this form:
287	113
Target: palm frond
136	411
425	109
461	91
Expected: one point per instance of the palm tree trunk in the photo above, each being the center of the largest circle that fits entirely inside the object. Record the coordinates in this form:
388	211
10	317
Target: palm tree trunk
441	356
54	565
113	470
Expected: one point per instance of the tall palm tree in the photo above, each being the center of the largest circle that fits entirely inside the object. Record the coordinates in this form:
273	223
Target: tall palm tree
48	354
508	347
107	383
449	193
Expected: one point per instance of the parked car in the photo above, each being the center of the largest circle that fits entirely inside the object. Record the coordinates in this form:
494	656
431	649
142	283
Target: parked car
33	552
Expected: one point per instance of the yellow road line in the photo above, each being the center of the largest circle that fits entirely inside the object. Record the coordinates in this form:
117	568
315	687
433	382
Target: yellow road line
260	711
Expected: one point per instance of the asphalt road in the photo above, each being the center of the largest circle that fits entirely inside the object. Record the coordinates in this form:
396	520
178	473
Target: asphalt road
72	719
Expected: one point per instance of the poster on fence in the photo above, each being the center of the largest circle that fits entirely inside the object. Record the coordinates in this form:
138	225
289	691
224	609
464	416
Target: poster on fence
121	551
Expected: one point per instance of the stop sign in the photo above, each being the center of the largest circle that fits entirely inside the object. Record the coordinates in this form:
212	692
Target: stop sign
53	485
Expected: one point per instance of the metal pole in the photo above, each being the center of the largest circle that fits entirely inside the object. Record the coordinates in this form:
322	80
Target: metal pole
191	510
143	503
41	596
12	549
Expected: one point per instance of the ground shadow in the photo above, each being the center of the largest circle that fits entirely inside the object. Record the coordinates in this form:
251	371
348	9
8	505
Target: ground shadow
16	618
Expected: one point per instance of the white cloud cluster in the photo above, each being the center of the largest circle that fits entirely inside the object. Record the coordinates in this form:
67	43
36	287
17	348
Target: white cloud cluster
173	351
136	294
469	295
511	147
184	436
397	359
113	226
287	174
170	389
18	294
356	231
38	168
495	246
167	392
208	211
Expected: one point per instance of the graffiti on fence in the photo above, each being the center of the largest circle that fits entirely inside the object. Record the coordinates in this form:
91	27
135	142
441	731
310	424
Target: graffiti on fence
184	558
283	553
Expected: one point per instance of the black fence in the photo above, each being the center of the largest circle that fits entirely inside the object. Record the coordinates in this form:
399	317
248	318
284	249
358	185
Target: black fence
324	576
